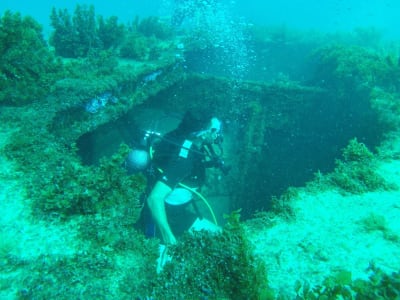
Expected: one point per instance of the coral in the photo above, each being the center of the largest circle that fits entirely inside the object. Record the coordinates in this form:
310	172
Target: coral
27	67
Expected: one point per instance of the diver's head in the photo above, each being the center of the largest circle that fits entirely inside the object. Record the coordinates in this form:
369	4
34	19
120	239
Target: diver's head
213	132
200	123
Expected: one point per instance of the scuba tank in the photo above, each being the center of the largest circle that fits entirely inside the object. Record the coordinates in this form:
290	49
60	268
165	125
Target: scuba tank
140	157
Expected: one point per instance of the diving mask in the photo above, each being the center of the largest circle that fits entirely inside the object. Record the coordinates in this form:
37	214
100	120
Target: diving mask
213	132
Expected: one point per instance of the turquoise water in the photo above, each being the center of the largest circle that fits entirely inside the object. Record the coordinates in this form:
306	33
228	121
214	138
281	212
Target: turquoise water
291	104
330	15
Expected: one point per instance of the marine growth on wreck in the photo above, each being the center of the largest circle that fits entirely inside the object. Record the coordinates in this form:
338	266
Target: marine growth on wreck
73	103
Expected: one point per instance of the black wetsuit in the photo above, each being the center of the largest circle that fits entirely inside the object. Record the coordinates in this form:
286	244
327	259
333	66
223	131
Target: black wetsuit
179	160
176	159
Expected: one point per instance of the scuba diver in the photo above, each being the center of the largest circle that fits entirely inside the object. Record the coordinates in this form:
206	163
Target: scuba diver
175	165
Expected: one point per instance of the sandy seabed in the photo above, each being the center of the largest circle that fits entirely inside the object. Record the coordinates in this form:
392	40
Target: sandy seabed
22	235
325	236
328	235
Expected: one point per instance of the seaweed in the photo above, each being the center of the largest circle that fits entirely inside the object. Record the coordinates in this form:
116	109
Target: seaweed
347	68
110	32
78	34
135	47
60	185
74	36
27	66
154	26
375	222
355	173
214	266
379	285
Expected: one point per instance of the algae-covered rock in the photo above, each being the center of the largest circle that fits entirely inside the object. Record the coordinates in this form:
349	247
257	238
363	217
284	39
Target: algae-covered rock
356	173
27	66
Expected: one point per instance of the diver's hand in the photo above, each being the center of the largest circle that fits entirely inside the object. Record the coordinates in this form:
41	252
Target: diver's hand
220	164
163	258
169	239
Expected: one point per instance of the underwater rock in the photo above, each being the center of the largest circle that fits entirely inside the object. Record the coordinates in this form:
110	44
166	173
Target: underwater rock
152	76
100	101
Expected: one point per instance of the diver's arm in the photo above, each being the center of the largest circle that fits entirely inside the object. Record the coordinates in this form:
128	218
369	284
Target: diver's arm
157	208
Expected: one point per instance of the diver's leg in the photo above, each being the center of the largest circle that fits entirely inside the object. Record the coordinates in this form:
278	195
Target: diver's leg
157	208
